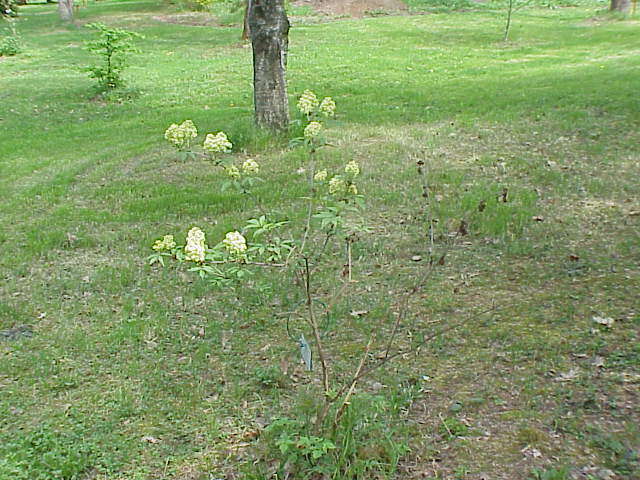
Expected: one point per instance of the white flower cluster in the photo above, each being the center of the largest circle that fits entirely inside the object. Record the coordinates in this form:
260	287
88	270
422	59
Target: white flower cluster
308	102
352	168
312	130
309	105
328	107
218	143
320	176
340	186
196	247
180	135
235	243
232	171
250	166
337	186
167	243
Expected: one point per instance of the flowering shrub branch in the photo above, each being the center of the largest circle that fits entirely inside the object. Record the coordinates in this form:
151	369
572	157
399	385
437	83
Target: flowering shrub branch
240	177
265	250
313	111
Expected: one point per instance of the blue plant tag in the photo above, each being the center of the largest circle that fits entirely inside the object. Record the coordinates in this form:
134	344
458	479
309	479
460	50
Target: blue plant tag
305	351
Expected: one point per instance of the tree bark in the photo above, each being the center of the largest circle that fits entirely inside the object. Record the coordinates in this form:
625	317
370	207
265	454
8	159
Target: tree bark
65	9
622	6
245	26
269	31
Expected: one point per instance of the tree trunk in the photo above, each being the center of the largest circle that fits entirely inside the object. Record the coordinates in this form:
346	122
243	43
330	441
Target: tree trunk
622	6
269	30
65	9
245	26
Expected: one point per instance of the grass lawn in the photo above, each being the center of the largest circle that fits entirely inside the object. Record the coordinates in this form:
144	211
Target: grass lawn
114	369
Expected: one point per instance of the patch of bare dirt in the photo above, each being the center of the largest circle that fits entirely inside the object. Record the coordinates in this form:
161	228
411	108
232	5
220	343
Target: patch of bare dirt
355	8
197	19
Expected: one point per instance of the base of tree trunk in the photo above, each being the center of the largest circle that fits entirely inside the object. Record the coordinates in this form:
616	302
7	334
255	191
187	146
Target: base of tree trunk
622	6
269	31
65	9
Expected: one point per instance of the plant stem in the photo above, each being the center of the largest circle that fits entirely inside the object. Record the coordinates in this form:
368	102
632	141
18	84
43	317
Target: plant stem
314	327
354	381
508	26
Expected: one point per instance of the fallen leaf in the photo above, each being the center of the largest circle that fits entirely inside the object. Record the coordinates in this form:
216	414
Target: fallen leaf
606	321
567	376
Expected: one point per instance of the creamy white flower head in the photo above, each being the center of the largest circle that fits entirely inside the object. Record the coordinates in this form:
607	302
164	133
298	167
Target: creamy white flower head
196	247
189	129
218	143
165	244
233	171
328	107
337	186
352	168
194	253
180	135
196	235
250	166
320	176
175	135
170	131
313	129
353	190
235	243
308	102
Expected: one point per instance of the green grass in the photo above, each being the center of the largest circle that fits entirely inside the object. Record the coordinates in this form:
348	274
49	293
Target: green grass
137	372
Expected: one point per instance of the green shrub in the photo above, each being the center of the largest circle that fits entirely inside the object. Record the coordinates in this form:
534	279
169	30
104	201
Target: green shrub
112	46
10	43
365	444
8	8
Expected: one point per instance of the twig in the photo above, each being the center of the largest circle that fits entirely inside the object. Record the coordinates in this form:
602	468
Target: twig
444	424
424	341
307	228
314	327
349	258
401	315
354	381
256	264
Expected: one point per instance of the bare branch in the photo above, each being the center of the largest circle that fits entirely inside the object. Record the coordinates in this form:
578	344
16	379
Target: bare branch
354	381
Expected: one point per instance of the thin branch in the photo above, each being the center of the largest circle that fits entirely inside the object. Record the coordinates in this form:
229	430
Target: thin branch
349	264
314	327
307	228
256	264
424	341
354	381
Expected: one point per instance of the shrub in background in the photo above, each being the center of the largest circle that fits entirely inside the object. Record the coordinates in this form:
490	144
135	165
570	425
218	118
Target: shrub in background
112	46
8	8
10	42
